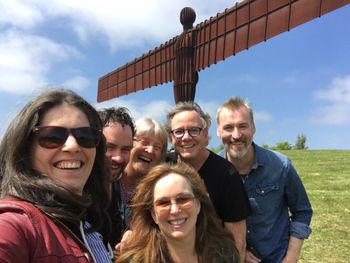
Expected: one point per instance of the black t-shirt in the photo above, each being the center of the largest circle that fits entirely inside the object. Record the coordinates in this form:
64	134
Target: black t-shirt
224	186
116	232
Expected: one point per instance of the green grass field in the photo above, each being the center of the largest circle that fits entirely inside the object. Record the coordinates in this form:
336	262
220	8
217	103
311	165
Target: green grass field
326	176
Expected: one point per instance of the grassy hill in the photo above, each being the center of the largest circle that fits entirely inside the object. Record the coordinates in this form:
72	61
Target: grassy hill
326	175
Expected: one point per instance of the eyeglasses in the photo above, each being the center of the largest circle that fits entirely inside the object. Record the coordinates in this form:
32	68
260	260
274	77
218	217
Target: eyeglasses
193	132
183	201
51	137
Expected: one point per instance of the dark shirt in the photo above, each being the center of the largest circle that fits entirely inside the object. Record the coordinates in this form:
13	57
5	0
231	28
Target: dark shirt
115	218
224	186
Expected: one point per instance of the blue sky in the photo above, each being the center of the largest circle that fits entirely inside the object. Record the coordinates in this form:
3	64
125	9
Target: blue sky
298	82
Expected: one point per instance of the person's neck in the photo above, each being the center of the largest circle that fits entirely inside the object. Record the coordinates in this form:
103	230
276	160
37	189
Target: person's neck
130	177
243	164
183	252
197	161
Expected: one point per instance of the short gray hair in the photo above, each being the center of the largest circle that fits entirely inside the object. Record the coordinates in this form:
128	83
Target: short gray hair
188	106
235	103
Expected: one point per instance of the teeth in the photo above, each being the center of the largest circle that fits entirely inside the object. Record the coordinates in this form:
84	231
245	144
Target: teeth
186	146
115	166
177	222
145	159
68	165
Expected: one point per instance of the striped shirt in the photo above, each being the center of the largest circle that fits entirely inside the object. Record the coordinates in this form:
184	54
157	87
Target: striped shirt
94	241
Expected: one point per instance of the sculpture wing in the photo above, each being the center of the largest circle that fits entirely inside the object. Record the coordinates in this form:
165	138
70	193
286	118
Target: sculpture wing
245	24
250	22
152	68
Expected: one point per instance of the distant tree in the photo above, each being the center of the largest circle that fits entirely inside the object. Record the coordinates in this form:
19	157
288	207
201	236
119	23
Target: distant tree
217	149
266	146
280	146
300	144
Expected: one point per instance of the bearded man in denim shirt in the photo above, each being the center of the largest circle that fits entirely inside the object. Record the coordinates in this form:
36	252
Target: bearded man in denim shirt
281	211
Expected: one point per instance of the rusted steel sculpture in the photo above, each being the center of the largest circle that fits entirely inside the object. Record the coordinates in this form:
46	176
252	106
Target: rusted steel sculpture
245	24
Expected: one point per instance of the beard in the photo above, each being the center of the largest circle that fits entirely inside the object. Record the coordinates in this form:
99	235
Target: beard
238	152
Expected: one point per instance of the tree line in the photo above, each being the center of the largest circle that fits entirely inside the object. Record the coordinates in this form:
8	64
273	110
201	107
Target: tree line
300	144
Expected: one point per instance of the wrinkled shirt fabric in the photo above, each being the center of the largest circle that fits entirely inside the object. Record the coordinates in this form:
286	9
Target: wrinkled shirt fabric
280	205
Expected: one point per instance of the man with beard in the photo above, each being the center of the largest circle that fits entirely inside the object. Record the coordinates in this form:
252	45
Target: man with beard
119	131
188	126
273	186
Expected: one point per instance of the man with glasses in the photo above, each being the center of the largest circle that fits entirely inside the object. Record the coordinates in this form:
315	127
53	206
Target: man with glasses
188	126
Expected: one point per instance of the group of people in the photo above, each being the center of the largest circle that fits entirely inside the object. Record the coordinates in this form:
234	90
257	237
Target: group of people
81	185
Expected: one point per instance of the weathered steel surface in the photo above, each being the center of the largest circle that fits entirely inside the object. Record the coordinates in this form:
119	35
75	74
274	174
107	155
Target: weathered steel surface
237	28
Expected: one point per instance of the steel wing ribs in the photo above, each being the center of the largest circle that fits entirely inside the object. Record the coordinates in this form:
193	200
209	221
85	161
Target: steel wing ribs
245	24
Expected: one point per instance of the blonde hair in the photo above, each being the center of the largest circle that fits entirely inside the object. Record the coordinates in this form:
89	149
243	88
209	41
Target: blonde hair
148	126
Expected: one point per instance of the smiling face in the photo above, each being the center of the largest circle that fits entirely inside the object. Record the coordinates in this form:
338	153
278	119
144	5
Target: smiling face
179	222
188	147
146	153
119	143
236	130
69	165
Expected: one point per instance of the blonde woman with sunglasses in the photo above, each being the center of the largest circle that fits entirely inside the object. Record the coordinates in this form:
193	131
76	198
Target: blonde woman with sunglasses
174	221
55	182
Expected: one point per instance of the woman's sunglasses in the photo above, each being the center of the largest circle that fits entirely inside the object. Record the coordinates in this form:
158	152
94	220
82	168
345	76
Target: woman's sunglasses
51	137
183	201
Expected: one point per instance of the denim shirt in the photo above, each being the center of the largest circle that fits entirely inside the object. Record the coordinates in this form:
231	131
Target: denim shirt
274	190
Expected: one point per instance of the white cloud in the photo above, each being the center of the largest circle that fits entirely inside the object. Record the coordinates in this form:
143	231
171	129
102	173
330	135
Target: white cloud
248	78
339	92
122	23
292	78
76	83
21	14
336	107
26	60
155	109
130	23
262	116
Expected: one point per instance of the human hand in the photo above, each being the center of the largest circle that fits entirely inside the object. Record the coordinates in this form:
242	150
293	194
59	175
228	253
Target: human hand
289	260
250	258
126	237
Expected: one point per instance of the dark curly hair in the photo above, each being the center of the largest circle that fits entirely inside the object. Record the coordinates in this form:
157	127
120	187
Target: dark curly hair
117	114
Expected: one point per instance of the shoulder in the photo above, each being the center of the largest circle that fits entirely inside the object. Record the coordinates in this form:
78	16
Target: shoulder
171	157
220	163
271	157
229	255
17	229
15	206
217	170
19	215
215	158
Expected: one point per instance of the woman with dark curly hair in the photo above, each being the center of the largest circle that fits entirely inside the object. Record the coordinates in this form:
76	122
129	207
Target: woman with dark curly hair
173	221
53	172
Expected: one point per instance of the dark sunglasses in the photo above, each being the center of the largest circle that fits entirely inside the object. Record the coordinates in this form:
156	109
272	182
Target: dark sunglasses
51	137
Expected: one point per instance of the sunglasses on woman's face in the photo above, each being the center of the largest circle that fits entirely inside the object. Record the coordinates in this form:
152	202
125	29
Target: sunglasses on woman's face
183	201
51	137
